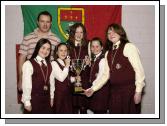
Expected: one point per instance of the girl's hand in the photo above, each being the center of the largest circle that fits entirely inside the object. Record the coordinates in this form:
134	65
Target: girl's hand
51	102
88	92
137	97
87	60
78	78
28	108
67	61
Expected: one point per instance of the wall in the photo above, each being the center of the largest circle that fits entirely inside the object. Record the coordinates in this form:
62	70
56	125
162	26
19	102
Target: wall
13	36
138	22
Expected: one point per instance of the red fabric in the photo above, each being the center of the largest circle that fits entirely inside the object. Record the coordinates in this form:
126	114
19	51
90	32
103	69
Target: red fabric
19	94
71	15
98	17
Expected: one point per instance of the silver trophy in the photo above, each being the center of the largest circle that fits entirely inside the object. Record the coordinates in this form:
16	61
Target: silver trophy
78	66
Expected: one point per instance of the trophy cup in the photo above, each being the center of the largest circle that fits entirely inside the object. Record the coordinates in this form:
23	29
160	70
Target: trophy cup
78	66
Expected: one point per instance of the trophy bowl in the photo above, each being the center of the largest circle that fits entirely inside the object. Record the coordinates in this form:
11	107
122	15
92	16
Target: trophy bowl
78	66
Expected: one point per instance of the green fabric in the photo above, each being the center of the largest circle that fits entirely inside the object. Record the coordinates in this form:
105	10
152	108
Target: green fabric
30	14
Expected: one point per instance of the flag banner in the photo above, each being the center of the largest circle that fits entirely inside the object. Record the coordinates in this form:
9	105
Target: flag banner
96	18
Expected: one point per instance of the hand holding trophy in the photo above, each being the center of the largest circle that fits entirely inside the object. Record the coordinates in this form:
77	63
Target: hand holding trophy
67	61
78	66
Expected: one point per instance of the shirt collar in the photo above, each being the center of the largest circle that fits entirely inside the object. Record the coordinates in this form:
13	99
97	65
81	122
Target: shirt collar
76	43
61	61
117	44
97	55
39	59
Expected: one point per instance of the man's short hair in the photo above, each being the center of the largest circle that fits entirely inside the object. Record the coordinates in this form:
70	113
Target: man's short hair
44	13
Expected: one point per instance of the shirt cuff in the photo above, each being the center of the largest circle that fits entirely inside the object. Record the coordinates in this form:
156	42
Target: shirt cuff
94	88
66	68
139	89
27	103
52	96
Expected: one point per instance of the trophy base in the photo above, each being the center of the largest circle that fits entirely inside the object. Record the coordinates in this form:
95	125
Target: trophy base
78	90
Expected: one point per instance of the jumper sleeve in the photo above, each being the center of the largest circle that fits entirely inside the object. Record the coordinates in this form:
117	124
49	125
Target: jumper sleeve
103	74
132	53
27	70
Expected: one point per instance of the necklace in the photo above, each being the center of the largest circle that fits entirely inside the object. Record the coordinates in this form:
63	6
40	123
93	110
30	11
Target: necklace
45	88
92	67
76	53
113	57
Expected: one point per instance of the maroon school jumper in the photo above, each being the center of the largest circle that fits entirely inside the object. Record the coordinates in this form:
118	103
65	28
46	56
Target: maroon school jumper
62	96
80	101
99	101
122	82
40	99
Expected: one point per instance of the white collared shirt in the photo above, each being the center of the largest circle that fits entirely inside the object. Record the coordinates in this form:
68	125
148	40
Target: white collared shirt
116	44
77	43
96	56
101	71
102	76
38	59
27	70
57	73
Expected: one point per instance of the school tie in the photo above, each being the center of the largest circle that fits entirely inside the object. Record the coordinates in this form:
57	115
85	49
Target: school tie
44	67
93	58
115	47
114	51
45	75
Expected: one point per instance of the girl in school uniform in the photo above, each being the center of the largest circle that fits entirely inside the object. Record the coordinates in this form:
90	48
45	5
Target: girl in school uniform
99	100
126	72
36	73
61	95
78	49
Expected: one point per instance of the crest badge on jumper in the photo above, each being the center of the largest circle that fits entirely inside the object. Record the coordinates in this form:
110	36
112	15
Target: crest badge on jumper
118	66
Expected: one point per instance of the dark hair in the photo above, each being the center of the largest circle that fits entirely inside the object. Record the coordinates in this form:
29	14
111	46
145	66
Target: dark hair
72	31
97	39
40	43
101	44
44	13
56	49
120	31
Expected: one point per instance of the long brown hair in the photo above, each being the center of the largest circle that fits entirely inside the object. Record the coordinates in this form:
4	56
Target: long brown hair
56	49
72	31
39	44
120	31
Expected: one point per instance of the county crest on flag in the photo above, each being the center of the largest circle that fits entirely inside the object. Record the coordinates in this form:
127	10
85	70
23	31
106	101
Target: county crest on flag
67	17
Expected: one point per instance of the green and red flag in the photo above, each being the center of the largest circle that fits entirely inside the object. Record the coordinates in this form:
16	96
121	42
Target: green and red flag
96	18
